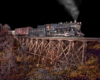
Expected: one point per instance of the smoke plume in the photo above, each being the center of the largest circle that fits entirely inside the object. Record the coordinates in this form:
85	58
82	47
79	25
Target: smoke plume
71	7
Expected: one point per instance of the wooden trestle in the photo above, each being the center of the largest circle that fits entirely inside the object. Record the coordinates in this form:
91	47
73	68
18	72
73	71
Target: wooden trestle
59	52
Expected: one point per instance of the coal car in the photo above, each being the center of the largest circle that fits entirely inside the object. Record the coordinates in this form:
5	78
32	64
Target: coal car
37	32
22	31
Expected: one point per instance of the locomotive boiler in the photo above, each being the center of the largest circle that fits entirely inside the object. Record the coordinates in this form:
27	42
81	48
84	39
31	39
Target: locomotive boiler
58	30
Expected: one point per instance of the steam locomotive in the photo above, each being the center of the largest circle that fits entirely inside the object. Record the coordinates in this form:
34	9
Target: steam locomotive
57	30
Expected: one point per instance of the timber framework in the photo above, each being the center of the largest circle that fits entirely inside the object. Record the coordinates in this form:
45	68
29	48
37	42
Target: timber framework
58	51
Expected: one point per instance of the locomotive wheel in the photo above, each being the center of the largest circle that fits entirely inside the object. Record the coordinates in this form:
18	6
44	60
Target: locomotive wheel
71	36
81	35
48	33
55	36
30	35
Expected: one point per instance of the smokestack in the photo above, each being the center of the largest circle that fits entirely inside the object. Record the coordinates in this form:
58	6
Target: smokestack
75	21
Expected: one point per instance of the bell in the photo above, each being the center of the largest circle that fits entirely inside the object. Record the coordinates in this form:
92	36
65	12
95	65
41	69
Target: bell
80	23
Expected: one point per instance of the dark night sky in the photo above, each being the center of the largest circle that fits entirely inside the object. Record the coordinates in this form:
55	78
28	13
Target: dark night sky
23	14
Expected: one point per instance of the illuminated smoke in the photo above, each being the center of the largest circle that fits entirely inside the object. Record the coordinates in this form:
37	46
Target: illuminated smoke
71	7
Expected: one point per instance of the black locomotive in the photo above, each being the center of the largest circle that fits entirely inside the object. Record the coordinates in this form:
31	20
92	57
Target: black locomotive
58	30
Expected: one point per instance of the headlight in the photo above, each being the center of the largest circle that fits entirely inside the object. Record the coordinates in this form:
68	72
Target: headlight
48	27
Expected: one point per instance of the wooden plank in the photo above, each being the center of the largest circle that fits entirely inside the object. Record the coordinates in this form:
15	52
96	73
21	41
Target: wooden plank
49	45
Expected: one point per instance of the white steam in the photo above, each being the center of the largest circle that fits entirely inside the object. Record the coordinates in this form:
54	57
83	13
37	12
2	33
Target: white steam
71	7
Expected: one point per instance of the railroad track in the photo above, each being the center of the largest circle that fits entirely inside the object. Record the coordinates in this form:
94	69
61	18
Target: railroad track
66	38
